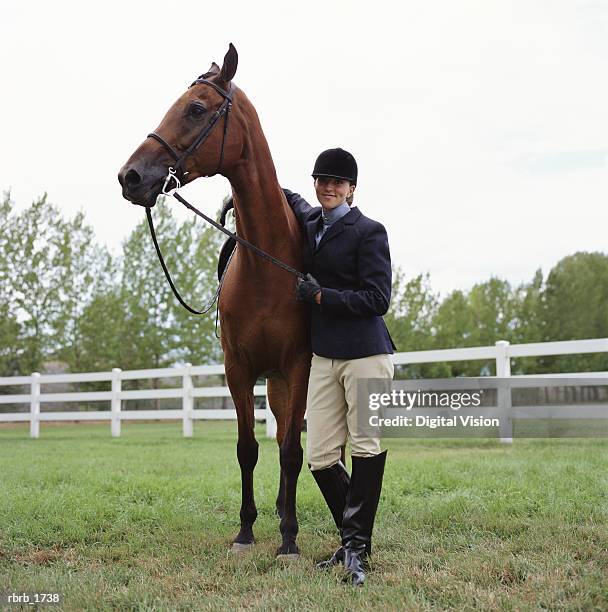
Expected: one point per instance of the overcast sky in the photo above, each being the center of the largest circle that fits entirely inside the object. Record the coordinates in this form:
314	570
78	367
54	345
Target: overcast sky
480	127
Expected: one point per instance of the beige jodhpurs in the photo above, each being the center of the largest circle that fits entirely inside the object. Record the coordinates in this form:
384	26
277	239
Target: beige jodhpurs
331	407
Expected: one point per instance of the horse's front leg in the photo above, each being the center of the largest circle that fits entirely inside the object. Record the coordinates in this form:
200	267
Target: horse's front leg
280	502
247	453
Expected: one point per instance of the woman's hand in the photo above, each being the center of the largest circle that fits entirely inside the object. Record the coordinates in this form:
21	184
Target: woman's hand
309	290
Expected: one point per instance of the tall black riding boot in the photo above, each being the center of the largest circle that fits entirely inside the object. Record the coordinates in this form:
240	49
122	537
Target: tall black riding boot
360	512
333	482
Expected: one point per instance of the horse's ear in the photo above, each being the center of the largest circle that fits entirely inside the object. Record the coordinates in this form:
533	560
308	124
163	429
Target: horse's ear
213	69
231	60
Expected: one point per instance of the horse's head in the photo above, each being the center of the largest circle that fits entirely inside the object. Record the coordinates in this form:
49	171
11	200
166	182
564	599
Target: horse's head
193	139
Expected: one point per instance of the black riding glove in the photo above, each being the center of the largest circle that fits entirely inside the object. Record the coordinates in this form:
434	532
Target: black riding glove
307	289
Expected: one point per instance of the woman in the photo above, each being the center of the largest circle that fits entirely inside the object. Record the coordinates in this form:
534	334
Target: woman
349	288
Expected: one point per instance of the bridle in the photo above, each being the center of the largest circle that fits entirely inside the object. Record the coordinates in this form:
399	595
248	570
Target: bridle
176	173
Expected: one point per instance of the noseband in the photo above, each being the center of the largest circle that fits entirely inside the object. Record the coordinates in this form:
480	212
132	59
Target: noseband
176	173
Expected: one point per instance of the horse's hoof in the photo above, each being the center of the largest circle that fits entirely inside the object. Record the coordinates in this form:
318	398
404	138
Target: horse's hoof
237	547
288	552
288	558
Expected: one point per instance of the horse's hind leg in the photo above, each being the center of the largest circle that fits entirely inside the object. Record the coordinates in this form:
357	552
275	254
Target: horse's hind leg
292	456
241	390
278	395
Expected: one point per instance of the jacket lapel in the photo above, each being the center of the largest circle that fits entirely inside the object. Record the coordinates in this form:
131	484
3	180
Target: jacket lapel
338	227
312	227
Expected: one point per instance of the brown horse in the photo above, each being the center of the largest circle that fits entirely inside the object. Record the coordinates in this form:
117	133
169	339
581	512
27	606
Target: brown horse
265	331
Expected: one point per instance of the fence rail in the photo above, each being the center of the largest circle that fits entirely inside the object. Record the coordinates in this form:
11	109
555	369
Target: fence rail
502	353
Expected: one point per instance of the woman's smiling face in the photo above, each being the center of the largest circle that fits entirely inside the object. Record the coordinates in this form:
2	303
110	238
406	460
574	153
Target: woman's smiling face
331	192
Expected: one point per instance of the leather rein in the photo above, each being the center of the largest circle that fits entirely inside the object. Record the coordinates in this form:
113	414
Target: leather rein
175	178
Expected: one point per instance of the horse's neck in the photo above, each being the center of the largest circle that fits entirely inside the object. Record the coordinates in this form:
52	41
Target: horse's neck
262	216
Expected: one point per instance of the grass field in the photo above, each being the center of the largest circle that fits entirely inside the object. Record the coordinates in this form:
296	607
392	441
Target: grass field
145	522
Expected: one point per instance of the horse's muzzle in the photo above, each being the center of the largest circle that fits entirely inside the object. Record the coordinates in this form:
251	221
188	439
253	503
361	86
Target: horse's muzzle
139	188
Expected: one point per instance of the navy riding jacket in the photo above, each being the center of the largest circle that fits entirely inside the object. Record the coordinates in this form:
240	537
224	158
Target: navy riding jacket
352	263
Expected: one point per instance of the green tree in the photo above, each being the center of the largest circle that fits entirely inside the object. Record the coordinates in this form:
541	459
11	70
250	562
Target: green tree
576	307
90	270
195	273
410	316
102	332
478	318
453	324
35	274
528	311
10	330
529	324
492	308
50	269
158	330
410	320
150	332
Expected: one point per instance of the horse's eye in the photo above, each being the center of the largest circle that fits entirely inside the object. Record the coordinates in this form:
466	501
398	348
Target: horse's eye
196	111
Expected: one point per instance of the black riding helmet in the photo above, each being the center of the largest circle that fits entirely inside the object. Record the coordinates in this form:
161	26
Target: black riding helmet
336	163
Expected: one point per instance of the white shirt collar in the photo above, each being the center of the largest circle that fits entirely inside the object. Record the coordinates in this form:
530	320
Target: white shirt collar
332	215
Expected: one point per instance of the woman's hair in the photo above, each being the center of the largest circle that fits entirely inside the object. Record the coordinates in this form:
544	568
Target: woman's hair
350	198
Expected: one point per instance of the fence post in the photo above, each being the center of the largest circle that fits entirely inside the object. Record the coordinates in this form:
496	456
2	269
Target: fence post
35	406
271	422
187	403
503	370
116	402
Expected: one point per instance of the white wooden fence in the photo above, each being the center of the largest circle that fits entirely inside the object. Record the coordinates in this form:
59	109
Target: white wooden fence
502	353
